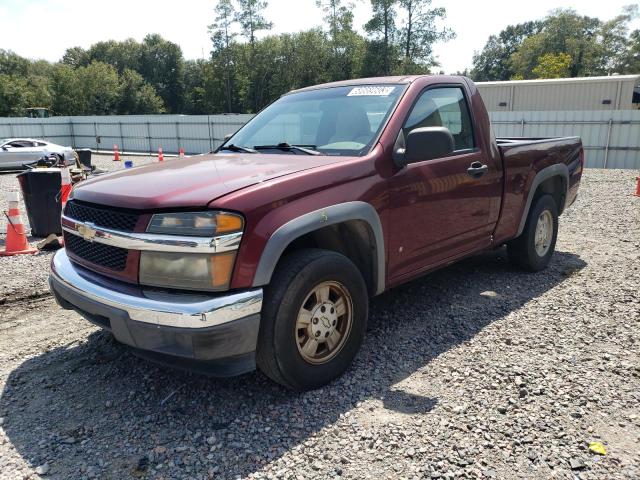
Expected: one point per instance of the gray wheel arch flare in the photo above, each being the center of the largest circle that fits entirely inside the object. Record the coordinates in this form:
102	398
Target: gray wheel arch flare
315	220
558	170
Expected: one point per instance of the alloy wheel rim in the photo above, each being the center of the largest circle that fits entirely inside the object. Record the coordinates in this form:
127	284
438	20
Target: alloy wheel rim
324	322
544	233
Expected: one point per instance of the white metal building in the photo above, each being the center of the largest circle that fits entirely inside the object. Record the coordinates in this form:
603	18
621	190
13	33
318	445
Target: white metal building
618	92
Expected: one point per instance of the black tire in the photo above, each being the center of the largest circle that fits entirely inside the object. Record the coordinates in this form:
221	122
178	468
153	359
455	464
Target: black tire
297	274
522	250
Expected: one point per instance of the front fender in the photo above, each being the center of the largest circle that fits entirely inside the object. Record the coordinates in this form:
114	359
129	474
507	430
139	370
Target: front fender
315	220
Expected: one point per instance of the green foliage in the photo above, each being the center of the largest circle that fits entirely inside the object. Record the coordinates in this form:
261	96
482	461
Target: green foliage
553	65
631	60
250	18
162	65
540	49
136	96
492	63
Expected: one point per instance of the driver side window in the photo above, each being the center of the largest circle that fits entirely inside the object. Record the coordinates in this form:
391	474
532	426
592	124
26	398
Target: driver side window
443	107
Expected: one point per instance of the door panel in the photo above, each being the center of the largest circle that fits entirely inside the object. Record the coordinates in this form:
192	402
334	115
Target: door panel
439	212
442	208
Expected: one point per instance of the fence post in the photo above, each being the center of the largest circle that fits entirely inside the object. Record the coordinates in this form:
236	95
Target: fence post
178	136
522	130
95	132
73	133
121	137
149	138
11	134
43	132
606	147
210	137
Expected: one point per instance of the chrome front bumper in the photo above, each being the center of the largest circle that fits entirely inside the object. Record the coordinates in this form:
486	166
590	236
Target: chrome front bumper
153	306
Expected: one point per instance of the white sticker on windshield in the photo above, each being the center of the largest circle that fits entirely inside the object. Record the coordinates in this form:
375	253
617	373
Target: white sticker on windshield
371	91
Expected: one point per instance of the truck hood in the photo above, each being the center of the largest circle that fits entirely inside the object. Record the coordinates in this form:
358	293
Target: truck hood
191	182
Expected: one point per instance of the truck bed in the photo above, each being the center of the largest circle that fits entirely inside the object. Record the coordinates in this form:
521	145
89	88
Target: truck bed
522	159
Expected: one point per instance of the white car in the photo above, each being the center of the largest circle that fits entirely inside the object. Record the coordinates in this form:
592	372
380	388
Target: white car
15	152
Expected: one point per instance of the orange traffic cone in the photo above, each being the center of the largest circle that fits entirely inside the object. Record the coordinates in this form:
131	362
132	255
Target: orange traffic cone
65	188
116	154
637	194
181	153
16	242
160	155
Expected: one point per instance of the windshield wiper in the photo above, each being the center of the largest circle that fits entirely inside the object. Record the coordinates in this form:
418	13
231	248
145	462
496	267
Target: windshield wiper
308	149
238	148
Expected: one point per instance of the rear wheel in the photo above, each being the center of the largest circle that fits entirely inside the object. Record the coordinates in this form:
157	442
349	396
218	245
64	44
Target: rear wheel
313	320
533	249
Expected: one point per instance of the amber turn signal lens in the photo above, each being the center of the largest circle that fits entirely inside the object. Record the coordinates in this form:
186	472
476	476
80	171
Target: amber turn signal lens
221	268
227	223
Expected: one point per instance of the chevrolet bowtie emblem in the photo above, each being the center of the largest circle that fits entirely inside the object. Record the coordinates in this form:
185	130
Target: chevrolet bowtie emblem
86	232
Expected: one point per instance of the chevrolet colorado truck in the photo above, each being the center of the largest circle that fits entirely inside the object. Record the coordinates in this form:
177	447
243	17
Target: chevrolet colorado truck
265	253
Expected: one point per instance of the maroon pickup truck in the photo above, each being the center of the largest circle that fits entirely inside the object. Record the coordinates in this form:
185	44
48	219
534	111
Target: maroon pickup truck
264	254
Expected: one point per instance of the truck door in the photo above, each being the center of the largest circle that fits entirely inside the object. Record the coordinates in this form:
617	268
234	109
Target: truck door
442	208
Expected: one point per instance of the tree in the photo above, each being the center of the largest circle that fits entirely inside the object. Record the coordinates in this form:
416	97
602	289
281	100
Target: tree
553	65
594	47
631	60
251	19
121	55
419	34
564	31
13	64
493	62
382	25
137	96
67	92
615	41
100	89
222	38
347	47
13	95
162	66
76	57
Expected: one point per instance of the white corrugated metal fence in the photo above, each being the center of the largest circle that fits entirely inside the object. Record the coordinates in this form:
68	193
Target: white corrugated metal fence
132	133
611	138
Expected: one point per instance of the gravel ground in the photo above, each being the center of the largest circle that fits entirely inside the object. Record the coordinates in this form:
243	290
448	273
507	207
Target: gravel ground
476	371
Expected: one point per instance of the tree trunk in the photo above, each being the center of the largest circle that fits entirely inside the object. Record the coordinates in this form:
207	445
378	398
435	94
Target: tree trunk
386	41
407	52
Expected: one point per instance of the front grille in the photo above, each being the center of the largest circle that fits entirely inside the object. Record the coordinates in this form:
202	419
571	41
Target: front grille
105	256
101	216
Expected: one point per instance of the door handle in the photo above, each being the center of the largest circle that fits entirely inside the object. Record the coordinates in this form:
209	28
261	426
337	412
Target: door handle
477	169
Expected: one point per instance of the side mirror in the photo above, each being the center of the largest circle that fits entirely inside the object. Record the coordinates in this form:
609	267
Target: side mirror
228	136
425	143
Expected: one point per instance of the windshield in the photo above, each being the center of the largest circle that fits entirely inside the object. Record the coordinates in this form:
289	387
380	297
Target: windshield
332	121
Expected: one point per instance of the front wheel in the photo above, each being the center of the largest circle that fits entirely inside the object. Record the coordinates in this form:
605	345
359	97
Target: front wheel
313	320
533	249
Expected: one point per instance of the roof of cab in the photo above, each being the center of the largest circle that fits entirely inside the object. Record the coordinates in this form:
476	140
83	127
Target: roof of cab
399	79
362	81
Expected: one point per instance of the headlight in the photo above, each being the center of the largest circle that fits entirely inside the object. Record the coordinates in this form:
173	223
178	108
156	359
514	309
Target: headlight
185	270
188	271
199	224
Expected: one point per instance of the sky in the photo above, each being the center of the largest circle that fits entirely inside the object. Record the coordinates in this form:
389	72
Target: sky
46	28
